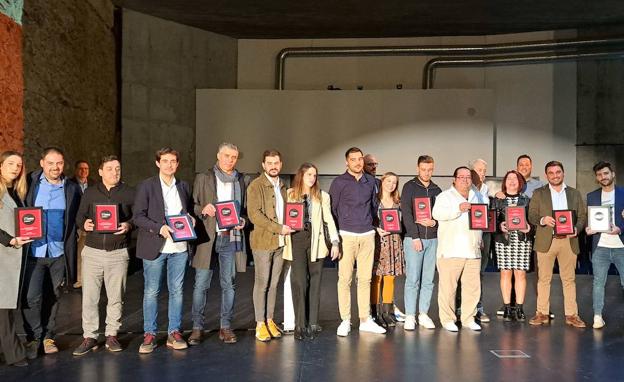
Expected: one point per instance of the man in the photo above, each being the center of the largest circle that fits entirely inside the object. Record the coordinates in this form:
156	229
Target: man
458	252
218	184
81	177
556	196
524	165
266	197
420	245
156	198
370	167
607	247
354	204
105	256
55	253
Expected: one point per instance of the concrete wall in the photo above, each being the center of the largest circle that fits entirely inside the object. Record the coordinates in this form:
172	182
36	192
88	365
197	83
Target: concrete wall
162	65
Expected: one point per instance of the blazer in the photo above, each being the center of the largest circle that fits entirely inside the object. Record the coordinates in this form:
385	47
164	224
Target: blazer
70	238
149	215
541	205
261	211
594	198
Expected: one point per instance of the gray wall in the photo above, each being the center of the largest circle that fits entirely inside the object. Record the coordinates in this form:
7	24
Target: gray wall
162	65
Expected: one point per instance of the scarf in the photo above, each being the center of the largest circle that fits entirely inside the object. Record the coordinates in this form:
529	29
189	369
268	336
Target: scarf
235	235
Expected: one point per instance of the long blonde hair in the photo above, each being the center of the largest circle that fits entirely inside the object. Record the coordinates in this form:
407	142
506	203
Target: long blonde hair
19	184
395	195
297	191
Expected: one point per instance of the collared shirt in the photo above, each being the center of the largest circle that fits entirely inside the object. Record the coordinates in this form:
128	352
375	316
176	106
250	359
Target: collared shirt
224	193
559	199
608	240
531	185
51	197
173	206
279	204
83	186
481	194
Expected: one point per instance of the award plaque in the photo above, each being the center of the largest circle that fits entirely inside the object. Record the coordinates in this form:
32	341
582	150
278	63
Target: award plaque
227	214
600	218
564	222
491	221
293	215
182	226
106	218
29	222
390	220
515	217
422	209
478	216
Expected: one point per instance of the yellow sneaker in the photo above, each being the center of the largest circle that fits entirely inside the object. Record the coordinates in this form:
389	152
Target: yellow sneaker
262	332
274	329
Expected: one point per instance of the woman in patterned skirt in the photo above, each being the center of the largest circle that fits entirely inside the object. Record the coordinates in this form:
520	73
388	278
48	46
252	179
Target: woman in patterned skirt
513	247
389	258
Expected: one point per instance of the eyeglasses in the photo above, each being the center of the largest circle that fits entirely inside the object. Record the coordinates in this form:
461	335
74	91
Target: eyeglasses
463	177
375	164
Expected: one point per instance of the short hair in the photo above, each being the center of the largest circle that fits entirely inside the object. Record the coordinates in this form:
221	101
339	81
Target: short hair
473	162
165	151
459	168
524	156
108	158
602	164
79	162
353	150
424	159
227	145
271	153
521	181
52	149
553	163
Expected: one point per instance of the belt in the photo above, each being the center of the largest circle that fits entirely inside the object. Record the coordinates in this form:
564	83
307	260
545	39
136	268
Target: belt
223	233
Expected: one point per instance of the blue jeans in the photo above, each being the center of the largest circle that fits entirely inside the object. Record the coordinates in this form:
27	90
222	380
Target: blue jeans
175	264
601	261
226	251
419	273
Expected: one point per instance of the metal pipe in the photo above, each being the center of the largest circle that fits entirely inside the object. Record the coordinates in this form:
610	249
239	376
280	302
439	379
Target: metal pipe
431	65
428	50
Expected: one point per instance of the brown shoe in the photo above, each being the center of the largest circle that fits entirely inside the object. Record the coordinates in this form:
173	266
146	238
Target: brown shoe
49	347
575	321
227	336
539	319
195	337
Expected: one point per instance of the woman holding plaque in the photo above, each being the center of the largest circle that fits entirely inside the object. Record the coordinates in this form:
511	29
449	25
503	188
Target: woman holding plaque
12	193
306	249
513	244
389	257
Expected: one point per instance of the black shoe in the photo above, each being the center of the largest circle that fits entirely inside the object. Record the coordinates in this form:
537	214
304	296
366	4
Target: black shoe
377	316
299	333
507	313
520	316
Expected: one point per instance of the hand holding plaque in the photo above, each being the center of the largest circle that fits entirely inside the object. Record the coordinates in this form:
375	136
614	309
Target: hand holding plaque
390	220
106	218
422	209
478	217
181	227
227	214
293	215
29	222
564	222
600	218
515	218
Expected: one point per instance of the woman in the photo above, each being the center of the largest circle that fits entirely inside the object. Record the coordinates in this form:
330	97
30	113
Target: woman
12	194
389	257
306	249
513	248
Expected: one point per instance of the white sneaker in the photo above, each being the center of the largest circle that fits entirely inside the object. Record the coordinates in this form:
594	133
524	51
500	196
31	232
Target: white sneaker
410	322
371	326
450	326
473	326
344	328
400	316
598	322
425	321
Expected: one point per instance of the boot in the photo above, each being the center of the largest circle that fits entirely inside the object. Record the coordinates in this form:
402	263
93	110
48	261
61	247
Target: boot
388	315
520	316
507	313
376	314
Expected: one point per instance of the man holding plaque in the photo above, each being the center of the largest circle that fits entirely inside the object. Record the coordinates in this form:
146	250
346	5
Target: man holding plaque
105	214
156	198
607	244
547	202
420	243
222	183
55	253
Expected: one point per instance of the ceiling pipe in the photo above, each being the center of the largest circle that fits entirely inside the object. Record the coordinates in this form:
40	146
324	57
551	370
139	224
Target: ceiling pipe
437	50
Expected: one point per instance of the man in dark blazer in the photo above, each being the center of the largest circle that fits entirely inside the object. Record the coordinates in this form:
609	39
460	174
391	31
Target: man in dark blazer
55	253
556	195
157	197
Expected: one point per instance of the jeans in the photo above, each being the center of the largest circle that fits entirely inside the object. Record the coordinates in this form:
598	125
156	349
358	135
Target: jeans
175	264
226	251
419	274
601	261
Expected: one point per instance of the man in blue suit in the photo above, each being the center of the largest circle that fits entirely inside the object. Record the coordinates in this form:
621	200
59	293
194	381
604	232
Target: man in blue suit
607	247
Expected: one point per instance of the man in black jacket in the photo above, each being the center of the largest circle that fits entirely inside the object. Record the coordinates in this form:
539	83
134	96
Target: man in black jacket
105	256
420	244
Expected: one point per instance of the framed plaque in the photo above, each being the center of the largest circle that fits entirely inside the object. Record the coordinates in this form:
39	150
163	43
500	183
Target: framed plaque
515	217
182	227
106	218
478	218
564	222
390	220
227	214
293	215
491	221
29	222
600	218
422	209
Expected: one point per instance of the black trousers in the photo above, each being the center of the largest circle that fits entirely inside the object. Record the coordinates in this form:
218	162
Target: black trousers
305	280
10	345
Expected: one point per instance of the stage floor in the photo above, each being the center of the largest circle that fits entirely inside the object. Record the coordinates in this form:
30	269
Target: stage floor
554	352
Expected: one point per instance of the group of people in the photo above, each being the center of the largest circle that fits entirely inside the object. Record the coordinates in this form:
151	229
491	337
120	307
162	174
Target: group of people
342	223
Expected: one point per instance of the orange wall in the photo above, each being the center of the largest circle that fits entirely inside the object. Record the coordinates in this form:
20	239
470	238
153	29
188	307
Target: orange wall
11	86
